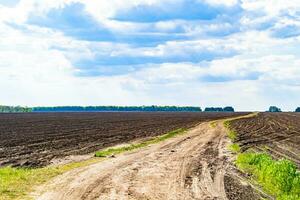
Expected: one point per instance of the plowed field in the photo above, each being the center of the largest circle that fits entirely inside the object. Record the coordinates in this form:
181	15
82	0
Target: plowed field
35	139
276	133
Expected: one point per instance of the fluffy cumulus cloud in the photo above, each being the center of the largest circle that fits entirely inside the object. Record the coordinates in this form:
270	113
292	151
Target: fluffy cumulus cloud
244	53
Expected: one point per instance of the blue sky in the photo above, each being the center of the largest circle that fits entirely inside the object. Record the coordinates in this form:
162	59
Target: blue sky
244	53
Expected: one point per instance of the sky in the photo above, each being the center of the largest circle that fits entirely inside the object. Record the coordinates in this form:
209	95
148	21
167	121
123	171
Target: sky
241	53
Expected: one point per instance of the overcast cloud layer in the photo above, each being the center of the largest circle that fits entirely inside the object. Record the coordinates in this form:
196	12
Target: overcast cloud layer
244	53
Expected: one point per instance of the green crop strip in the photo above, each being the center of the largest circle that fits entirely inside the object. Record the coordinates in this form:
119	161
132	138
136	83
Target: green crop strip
118	150
280	178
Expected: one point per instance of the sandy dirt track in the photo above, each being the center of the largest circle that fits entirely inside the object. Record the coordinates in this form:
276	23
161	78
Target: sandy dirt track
190	166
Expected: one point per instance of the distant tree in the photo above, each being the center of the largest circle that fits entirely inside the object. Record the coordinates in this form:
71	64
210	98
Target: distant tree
298	109
274	109
219	109
13	109
213	109
228	109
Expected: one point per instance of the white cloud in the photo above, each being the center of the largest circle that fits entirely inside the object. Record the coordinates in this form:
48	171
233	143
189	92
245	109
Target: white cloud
101	10
20	13
36	63
181	48
181	83
271	7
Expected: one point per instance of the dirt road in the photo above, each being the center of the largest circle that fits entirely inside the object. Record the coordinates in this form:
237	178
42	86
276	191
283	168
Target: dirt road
190	166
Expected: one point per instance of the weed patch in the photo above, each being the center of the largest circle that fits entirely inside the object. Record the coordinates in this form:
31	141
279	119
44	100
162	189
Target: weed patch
235	148
280	178
231	133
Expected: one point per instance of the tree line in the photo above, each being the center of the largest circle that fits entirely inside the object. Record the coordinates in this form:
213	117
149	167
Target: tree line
276	109
117	108
13	109
219	109
152	108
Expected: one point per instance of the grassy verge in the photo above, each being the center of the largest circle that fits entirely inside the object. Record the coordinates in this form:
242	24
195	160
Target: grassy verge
16	183
279	178
232	134
118	150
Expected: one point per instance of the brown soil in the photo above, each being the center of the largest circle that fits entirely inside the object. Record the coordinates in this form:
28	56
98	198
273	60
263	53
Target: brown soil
276	133
238	190
36	139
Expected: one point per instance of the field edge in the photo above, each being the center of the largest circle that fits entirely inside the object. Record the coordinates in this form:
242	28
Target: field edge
262	167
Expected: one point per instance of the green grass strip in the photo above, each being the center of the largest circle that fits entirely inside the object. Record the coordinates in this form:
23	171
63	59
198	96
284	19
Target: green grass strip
278	177
232	134
118	150
16	183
